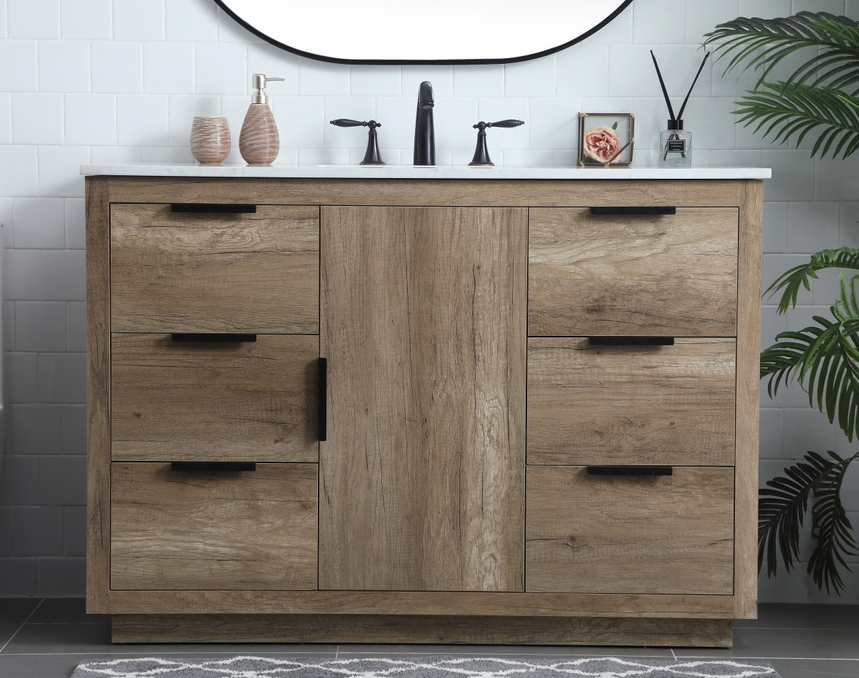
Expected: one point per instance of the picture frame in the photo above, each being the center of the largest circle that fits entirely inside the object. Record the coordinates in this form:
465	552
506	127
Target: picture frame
606	139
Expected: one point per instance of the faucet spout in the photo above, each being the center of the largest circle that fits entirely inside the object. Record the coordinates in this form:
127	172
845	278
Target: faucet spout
424	131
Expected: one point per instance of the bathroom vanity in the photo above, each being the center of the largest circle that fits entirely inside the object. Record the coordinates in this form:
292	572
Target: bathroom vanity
417	405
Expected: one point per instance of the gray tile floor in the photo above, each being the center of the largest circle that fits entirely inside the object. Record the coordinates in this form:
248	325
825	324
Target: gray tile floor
47	638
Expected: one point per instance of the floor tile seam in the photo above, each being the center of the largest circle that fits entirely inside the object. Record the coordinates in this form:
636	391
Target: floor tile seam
503	655
828	629
18	630
66	623
184	653
767	658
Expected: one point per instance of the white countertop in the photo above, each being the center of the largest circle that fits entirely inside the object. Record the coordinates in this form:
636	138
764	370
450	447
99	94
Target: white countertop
433	172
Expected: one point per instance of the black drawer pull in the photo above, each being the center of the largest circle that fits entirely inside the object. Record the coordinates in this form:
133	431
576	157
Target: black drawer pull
214	337
631	341
213	466
633	210
323	399
220	208
630	470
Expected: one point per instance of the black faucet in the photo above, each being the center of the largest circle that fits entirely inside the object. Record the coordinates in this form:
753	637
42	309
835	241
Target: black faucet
424	131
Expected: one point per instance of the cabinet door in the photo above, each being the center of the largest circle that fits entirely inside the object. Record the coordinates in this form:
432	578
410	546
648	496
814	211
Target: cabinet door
423	325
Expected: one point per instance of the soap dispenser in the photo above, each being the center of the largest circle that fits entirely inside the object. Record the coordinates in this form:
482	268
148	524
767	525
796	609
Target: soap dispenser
259	142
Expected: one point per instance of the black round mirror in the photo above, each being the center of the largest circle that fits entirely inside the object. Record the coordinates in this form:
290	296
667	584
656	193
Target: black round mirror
437	32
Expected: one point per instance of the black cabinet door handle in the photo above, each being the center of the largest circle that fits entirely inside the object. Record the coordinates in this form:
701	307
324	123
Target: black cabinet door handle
633	210
213	466
631	341
216	207
323	399
630	470
214	337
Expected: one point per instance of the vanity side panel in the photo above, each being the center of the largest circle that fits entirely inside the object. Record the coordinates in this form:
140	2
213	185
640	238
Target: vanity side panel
98	393
748	400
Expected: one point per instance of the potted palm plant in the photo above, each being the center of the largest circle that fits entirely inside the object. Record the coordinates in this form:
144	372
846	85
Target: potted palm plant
819	100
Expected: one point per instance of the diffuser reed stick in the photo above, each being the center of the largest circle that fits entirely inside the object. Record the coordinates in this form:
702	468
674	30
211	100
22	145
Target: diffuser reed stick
674	140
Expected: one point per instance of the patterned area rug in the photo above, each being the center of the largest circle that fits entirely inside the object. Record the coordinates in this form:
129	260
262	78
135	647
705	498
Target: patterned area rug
421	667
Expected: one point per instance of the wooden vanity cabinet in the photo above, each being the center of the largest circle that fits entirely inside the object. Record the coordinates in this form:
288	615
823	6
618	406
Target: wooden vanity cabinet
477	411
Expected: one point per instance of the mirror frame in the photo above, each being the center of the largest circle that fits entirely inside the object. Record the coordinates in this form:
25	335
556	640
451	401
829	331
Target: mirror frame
406	62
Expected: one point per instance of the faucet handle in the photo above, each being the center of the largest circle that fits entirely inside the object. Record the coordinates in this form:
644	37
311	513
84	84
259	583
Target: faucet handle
481	153
348	122
372	155
501	123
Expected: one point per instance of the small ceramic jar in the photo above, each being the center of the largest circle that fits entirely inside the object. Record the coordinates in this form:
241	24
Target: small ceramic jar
210	140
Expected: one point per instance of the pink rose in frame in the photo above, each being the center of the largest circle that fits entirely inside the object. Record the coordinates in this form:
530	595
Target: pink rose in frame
601	143
605	139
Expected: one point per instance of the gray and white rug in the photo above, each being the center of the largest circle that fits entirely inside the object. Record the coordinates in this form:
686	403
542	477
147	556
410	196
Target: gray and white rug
422	667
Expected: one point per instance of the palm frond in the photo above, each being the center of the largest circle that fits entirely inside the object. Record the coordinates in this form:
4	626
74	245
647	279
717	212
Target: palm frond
824	359
782	506
798	277
831	528
832	42
783	111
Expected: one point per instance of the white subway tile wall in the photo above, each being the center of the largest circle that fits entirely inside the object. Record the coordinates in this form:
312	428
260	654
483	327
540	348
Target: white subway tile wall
106	81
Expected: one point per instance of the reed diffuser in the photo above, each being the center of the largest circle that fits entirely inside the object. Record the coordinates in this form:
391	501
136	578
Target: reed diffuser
675	143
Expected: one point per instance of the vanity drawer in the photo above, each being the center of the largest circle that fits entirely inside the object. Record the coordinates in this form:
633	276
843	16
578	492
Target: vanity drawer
642	274
214	400
630	534
214	271
631	404
213	530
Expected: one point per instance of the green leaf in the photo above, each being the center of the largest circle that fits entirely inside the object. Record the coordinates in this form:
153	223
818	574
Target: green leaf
792	281
782	506
824	359
830	44
819	95
831	528
784	112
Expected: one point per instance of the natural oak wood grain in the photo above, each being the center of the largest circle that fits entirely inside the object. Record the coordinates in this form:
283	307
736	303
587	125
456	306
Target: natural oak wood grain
161	613
175	401
98	392
417	629
438	603
631	404
672	275
251	530
748	394
621	534
420	192
180	272
423	325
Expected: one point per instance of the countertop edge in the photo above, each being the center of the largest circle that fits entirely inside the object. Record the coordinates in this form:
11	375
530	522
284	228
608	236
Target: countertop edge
424	173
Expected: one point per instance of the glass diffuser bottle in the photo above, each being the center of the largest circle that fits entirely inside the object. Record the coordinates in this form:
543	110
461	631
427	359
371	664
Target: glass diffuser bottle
675	143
